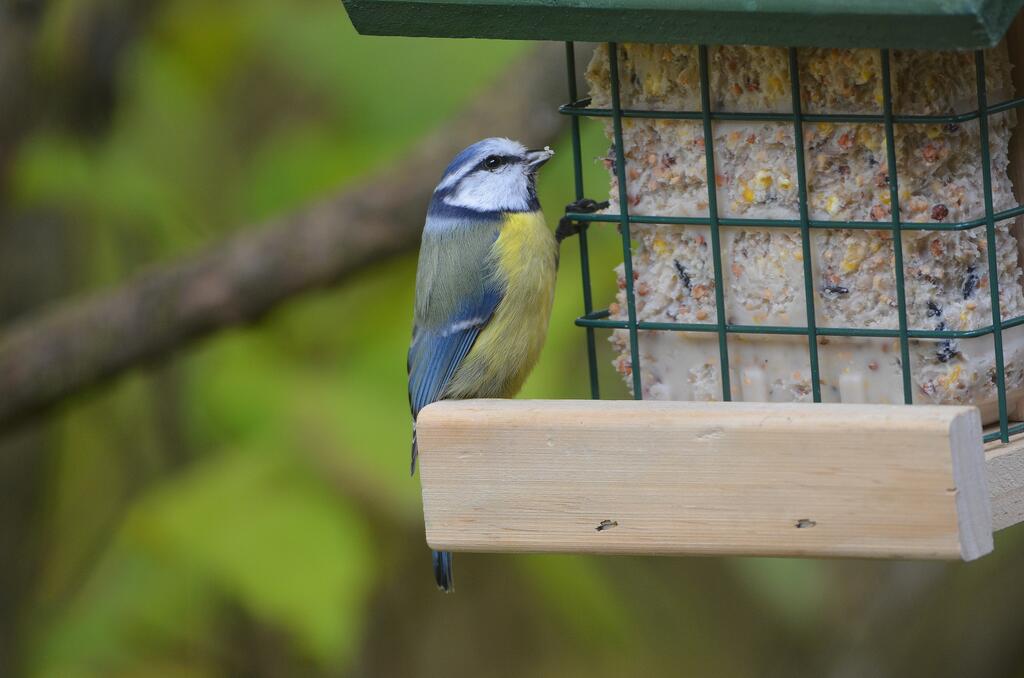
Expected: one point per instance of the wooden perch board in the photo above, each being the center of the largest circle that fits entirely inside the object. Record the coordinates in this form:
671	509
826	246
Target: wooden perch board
704	478
1005	466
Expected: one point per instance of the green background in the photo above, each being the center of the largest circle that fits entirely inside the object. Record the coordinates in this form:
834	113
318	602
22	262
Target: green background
245	509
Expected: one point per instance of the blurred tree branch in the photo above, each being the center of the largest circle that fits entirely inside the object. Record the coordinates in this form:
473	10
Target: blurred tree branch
59	352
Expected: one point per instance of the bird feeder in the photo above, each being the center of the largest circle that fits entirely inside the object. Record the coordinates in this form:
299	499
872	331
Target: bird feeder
817	210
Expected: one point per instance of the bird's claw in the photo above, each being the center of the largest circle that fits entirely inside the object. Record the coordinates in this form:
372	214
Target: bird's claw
567	226
586	206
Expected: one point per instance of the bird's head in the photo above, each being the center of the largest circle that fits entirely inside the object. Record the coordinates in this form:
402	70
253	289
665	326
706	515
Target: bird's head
493	175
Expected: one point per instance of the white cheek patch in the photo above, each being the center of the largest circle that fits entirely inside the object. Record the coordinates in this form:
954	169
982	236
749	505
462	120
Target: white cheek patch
483	191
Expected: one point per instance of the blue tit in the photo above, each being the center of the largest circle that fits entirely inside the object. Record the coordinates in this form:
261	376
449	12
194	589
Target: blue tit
484	285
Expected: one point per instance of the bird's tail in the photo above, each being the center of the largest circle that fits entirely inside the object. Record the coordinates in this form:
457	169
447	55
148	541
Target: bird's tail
442	559
443	574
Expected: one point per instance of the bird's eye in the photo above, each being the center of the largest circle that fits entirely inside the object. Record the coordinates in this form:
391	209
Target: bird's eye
493	162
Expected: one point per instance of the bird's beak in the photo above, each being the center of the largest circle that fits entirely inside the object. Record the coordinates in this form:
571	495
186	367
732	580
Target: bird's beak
536	158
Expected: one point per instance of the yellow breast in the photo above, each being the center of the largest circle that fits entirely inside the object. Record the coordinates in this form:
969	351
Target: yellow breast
526	259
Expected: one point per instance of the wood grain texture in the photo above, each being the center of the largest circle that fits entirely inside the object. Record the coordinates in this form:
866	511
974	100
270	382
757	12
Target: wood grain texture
704	478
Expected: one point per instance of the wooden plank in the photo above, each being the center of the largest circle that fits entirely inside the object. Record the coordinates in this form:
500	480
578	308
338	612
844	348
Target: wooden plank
1005	470
704	478
923	24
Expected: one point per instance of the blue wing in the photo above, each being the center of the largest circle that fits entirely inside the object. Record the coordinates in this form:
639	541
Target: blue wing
437	352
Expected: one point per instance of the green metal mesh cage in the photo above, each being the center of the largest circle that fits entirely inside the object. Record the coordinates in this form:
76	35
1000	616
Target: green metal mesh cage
593	319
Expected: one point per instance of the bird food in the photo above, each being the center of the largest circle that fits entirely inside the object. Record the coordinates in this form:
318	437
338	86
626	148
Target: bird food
939	180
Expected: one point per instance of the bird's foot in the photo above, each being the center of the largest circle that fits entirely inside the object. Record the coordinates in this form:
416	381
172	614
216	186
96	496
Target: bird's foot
567	226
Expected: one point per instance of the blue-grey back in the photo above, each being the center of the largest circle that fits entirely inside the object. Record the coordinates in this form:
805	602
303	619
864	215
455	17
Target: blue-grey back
455	266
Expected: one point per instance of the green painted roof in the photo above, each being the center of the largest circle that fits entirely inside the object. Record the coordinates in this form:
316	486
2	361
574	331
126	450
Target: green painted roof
925	24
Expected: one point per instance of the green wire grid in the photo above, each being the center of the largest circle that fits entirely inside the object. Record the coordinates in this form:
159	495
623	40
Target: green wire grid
593	319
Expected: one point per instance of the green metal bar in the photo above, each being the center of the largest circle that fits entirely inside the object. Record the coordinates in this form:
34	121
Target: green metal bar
627	245
577	168
990	236
805	229
1005	105
796	223
897	236
576	109
599	319
716	246
1012	322
998	435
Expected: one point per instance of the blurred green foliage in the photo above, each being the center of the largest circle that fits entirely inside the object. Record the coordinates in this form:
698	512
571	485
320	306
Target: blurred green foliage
234	112
250	504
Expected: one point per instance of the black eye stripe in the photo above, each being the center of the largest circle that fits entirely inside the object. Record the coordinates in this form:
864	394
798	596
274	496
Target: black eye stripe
488	163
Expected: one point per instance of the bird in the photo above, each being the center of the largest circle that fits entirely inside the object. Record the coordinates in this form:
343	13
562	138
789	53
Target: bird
485	285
